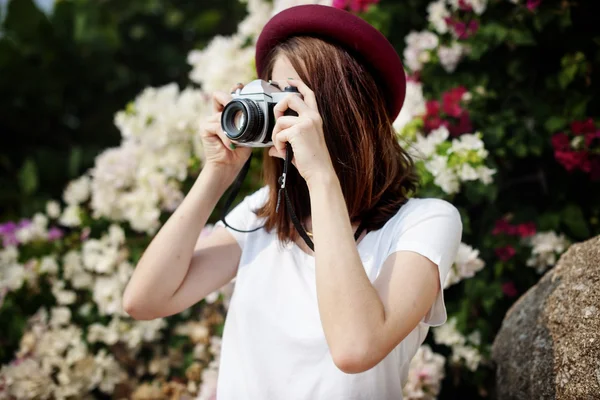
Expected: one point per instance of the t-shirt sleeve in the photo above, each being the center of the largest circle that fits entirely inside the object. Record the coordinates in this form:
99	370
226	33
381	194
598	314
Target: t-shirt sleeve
433	228
242	216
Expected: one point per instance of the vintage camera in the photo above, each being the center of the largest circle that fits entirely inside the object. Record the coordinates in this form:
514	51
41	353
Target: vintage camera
248	119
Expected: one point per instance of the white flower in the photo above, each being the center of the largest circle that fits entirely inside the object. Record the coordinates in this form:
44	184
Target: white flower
63	297
466	264
468	142
12	276
463	348
70	216
447	181
259	13
26	380
77	191
467	173
425	375
437	14
426	146
208	387
485	174
116	235
99	256
53	209
105	334
448	335
222	63
418	46
468	355
48	265
450	56
60	316
107	295
546	248
414	105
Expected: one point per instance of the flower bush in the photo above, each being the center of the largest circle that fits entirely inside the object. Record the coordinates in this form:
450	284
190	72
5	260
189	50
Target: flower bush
514	145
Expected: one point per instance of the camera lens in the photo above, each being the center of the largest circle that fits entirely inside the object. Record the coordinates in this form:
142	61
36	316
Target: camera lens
239	120
242	120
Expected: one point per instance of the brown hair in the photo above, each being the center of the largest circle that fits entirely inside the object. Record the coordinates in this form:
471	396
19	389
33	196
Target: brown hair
375	173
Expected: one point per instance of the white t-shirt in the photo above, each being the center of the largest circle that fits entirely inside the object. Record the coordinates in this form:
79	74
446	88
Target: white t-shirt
274	346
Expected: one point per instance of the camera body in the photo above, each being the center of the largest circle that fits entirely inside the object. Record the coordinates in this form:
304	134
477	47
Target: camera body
248	119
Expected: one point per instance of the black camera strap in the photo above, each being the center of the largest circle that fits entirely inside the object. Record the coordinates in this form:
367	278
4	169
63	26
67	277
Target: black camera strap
282	188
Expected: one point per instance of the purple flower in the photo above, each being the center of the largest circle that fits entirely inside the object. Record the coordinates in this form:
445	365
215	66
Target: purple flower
532	5
54	233
7	233
24	223
8	228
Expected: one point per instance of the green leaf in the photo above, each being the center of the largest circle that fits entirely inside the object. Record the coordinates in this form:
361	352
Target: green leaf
573	218
28	177
75	161
555	124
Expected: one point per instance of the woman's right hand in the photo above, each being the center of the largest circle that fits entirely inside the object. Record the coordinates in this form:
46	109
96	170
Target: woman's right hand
218	149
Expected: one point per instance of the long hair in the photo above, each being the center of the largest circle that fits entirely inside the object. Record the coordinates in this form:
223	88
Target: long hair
376	175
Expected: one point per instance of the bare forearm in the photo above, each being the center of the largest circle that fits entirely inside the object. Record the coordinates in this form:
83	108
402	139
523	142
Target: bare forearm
349	305
165	262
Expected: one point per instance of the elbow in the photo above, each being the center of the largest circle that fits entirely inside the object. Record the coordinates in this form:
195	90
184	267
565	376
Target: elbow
136	308
354	361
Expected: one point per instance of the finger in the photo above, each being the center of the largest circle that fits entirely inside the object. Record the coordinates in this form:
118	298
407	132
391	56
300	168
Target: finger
214	129
283	122
220	99
283	137
306	92
292	102
273	152
236	87
213	118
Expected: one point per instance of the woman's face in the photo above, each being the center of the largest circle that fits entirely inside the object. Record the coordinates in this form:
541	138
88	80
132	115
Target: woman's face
282	71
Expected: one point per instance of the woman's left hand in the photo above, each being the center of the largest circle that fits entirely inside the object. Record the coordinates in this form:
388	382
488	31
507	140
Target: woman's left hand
304	133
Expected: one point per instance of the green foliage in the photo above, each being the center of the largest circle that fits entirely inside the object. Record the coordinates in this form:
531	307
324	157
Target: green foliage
64	75
531	74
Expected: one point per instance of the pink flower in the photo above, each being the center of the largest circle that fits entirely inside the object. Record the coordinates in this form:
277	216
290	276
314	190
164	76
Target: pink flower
85	233
532	5
432	118
568	159
464	6
464	125
590	137
505	253
525	230
509	289
451	101
461	29
340	3
54	234
355	5
581	127
560	142
502	226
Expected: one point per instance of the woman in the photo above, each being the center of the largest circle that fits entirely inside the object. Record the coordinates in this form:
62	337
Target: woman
344	321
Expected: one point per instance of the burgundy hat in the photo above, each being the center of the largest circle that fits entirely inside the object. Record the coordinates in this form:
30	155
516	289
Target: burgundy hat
352	33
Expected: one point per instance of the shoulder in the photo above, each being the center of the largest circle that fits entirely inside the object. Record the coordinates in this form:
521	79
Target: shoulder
419	209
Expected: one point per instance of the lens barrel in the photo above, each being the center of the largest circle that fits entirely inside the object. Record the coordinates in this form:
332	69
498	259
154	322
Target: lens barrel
242	120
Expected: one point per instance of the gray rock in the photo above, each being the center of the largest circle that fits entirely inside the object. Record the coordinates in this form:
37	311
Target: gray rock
549	343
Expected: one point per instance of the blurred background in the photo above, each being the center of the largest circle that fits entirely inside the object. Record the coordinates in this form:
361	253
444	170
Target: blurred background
66	67
100	106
